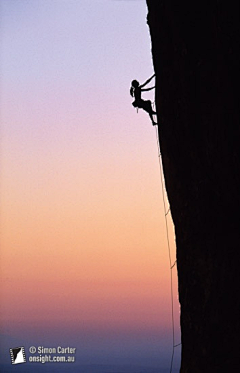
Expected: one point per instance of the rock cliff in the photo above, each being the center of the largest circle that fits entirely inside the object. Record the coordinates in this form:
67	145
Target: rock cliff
196	61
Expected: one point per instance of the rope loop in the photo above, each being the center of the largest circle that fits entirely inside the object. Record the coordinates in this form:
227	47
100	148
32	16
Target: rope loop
169	251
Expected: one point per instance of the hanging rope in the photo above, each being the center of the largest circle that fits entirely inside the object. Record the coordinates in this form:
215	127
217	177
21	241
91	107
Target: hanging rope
167	211
169	251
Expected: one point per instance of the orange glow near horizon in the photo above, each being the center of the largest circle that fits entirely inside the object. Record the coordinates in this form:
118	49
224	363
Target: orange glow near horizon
92	247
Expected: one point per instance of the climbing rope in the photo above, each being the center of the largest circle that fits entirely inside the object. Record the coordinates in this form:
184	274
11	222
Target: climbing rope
169	251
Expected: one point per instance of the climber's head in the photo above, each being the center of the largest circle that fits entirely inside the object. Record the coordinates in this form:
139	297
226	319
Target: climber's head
135	83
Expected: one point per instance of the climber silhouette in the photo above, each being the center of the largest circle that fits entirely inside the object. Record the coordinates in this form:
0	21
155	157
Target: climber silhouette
135	91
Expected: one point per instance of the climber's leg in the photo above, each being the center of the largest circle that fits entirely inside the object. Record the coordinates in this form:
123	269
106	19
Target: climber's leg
150	112
147	106
151	116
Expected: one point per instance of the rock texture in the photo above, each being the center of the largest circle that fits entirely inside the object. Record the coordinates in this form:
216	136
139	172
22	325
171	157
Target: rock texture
196	60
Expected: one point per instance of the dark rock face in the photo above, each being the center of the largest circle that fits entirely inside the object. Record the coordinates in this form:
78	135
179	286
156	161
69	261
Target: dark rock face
196	60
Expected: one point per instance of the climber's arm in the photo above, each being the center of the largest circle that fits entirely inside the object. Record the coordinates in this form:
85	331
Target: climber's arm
147	89
147	81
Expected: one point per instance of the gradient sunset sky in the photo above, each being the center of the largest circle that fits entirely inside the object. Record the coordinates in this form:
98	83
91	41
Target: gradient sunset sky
84	258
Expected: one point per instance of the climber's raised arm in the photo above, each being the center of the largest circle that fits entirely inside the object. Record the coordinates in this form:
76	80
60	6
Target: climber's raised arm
147	81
